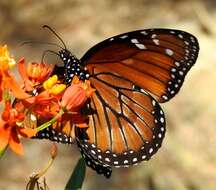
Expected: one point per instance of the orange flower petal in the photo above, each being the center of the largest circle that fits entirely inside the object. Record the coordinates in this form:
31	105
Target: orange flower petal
27	132
4	135
44	98
46	72
1	90
11	84
75	80
39	71
19	106
22	69
14	143
29	101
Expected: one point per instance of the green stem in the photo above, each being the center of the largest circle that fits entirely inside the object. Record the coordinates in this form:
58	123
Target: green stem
41	173
2	152
50	122
34	179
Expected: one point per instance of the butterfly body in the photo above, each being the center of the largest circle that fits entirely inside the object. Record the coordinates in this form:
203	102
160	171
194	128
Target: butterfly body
72	67
132	73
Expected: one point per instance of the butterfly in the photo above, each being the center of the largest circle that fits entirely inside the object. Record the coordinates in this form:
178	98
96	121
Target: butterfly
132	73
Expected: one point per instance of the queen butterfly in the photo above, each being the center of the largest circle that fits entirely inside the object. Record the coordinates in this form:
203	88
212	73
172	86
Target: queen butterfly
132	73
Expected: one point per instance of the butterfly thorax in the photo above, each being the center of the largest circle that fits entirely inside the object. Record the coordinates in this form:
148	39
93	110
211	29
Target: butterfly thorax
73	66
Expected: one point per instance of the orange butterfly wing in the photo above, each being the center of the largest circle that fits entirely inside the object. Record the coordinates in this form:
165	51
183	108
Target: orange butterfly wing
127	124
156	60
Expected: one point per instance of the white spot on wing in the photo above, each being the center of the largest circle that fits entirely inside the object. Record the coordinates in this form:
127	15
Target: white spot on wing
124	36
169	52
134	159
162	120
156	41
165	97
186	42
107	159
177	64
153	35
150	150
144	33
111	39
143	157
140	46
173	69
181	72
93	152
135	41
180	36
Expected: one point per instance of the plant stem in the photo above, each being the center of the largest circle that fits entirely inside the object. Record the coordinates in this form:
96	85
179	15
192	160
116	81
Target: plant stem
2	152
50	122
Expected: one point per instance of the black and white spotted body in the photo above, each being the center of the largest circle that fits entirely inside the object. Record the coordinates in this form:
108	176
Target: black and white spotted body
72	66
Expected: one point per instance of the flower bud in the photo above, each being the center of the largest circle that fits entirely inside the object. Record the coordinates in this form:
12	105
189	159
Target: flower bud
73	98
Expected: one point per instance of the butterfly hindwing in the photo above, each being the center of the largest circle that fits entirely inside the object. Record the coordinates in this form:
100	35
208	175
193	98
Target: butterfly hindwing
126	126
94	163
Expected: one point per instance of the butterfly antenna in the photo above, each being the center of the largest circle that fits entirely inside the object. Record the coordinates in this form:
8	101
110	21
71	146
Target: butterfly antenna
49	28
36	42
47	51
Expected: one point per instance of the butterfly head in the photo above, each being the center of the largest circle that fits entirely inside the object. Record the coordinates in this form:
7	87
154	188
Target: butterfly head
72	66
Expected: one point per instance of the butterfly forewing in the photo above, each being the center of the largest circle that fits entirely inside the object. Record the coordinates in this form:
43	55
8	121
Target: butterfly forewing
157	60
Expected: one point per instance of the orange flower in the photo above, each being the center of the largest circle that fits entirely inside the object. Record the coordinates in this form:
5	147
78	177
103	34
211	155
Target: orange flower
76	95
46	103
35	74
7	82
10	131
46	111
5	58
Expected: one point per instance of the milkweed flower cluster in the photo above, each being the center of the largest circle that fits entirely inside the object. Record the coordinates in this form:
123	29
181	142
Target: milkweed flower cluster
40	94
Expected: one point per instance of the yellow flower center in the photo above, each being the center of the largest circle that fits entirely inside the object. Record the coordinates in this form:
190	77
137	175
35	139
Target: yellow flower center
57	89
51	85
50	82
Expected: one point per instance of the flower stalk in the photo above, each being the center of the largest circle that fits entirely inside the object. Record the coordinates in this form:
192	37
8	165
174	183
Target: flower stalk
35	177
50	122
2	152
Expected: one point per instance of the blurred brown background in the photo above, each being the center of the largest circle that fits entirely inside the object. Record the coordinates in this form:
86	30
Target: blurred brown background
187	159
